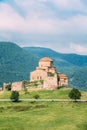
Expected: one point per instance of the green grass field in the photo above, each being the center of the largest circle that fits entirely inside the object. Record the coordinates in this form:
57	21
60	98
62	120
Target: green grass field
43	115
44	94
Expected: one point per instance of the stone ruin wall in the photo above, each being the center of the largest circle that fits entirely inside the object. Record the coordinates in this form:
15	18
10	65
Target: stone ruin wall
17	86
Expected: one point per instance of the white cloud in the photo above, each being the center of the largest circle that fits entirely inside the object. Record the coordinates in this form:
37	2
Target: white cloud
76	25
9	19
37	22
32	23
78	48
76	5
40	19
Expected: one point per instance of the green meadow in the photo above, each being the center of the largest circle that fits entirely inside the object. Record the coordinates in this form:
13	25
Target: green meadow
43	115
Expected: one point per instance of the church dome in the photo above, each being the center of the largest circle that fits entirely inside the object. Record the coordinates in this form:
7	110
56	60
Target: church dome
46	59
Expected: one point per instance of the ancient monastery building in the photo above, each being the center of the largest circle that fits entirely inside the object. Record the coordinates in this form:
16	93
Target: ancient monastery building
47	72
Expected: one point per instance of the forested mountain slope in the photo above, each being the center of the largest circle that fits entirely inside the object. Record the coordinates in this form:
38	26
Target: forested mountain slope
15	63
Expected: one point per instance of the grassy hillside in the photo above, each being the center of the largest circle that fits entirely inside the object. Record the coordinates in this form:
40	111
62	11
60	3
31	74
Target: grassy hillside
44	94
43	115
15	63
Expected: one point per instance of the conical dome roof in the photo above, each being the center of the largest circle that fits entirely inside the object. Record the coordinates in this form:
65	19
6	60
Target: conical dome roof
45	59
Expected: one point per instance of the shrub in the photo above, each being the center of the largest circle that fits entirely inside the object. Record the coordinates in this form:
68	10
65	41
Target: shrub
8	87
36	96
75	94
52	74
41	81
15	96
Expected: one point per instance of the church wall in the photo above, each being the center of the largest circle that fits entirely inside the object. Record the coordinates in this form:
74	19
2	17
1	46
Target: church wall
37	75
63	82
50	83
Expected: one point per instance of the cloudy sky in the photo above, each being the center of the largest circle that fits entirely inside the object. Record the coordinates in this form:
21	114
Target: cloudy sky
57	24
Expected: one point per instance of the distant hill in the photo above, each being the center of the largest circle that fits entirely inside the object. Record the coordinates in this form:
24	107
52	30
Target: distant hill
15	63
79	78
75	66
67	59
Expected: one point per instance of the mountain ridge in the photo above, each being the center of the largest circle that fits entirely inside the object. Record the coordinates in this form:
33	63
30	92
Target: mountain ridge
74	59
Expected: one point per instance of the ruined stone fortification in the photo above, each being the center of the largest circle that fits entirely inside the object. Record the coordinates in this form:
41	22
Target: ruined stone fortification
17	86
47	72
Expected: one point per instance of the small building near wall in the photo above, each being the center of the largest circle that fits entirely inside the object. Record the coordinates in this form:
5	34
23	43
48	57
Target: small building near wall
47	72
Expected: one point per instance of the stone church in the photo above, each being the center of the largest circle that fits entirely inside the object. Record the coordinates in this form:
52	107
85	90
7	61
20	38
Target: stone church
47	72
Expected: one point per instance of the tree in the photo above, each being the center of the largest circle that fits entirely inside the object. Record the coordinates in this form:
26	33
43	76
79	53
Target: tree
8	87
25	88
14	96
36	96
75	94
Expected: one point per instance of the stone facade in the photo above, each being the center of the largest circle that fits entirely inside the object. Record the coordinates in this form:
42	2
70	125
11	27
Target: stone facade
47	72
17	86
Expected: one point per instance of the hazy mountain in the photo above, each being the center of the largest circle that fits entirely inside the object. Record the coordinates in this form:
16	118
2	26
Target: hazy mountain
79	78
67	59
15	62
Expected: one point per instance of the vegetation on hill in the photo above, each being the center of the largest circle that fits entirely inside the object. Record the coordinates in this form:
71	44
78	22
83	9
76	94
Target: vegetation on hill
43	94
59	58
79	78
15	63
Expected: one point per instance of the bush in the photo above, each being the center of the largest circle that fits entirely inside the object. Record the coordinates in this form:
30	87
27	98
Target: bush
8	87
15	96
75	94
36	96
41	81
